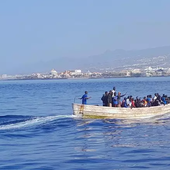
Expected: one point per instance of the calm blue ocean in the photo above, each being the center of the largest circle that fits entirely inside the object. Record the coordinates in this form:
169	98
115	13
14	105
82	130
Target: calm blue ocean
39	132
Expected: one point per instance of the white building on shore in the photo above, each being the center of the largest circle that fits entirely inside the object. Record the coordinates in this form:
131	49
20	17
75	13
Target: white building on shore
53	72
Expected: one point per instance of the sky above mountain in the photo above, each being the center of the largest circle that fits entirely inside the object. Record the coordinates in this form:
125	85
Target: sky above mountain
35	32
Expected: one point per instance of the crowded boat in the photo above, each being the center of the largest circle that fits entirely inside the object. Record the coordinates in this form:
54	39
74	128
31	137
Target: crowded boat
113	99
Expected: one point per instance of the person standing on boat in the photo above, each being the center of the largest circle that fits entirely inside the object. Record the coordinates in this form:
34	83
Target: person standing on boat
105	99
84	98
114	92
110	98
115	103
119	98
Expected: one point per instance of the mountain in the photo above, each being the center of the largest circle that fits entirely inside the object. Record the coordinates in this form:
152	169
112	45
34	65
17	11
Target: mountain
109	60
123	59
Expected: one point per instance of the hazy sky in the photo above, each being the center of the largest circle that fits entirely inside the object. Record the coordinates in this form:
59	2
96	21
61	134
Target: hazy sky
33	31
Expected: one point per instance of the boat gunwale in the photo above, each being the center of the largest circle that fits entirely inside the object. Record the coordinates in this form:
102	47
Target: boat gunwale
123	108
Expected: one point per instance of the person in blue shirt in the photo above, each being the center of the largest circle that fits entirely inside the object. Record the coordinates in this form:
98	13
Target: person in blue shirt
84	98
163	99
149	99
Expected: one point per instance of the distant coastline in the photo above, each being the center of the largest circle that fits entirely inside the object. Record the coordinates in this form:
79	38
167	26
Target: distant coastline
83	78
78	74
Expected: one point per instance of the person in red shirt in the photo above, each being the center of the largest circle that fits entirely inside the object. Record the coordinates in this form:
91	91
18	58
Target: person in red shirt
132	103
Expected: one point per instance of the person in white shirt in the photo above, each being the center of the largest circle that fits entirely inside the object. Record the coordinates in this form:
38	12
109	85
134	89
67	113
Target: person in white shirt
113	91
155	97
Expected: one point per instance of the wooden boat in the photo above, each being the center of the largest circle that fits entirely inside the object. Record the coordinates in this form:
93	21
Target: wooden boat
92	111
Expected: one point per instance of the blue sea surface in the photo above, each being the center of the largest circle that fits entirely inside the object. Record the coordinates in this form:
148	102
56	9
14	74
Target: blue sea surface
39	132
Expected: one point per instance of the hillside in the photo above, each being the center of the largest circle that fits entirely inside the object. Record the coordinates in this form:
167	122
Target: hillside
122	59
109	60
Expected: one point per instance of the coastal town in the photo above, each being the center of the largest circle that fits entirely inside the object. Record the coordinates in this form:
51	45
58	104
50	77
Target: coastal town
79	74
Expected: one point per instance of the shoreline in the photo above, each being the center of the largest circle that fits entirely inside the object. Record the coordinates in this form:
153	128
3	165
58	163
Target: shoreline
83	78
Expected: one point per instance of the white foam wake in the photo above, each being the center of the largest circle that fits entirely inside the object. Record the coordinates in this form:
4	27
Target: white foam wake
34	121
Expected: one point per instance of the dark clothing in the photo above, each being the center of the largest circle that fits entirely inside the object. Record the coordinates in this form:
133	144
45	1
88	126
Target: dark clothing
124	104
159	98
105	100
156	102
138	103
109	98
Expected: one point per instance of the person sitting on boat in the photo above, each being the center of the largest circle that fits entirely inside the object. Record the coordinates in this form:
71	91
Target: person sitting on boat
155	97
105	99
156	103
167	99
132	102
144	102
158	99
84	98
124	104
163	99
149	100
141	102
137	102
152	101
128	103
110	98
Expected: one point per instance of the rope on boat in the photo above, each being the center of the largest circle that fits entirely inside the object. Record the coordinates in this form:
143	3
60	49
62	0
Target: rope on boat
76	97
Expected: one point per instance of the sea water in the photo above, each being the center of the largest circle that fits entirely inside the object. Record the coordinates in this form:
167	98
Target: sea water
39	132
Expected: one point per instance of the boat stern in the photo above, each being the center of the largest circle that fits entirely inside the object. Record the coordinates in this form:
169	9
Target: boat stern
78	109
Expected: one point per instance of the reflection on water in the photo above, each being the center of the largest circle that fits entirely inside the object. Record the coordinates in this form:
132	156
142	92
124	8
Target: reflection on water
108	139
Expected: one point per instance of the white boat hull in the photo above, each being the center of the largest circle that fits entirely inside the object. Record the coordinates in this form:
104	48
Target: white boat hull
91	111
